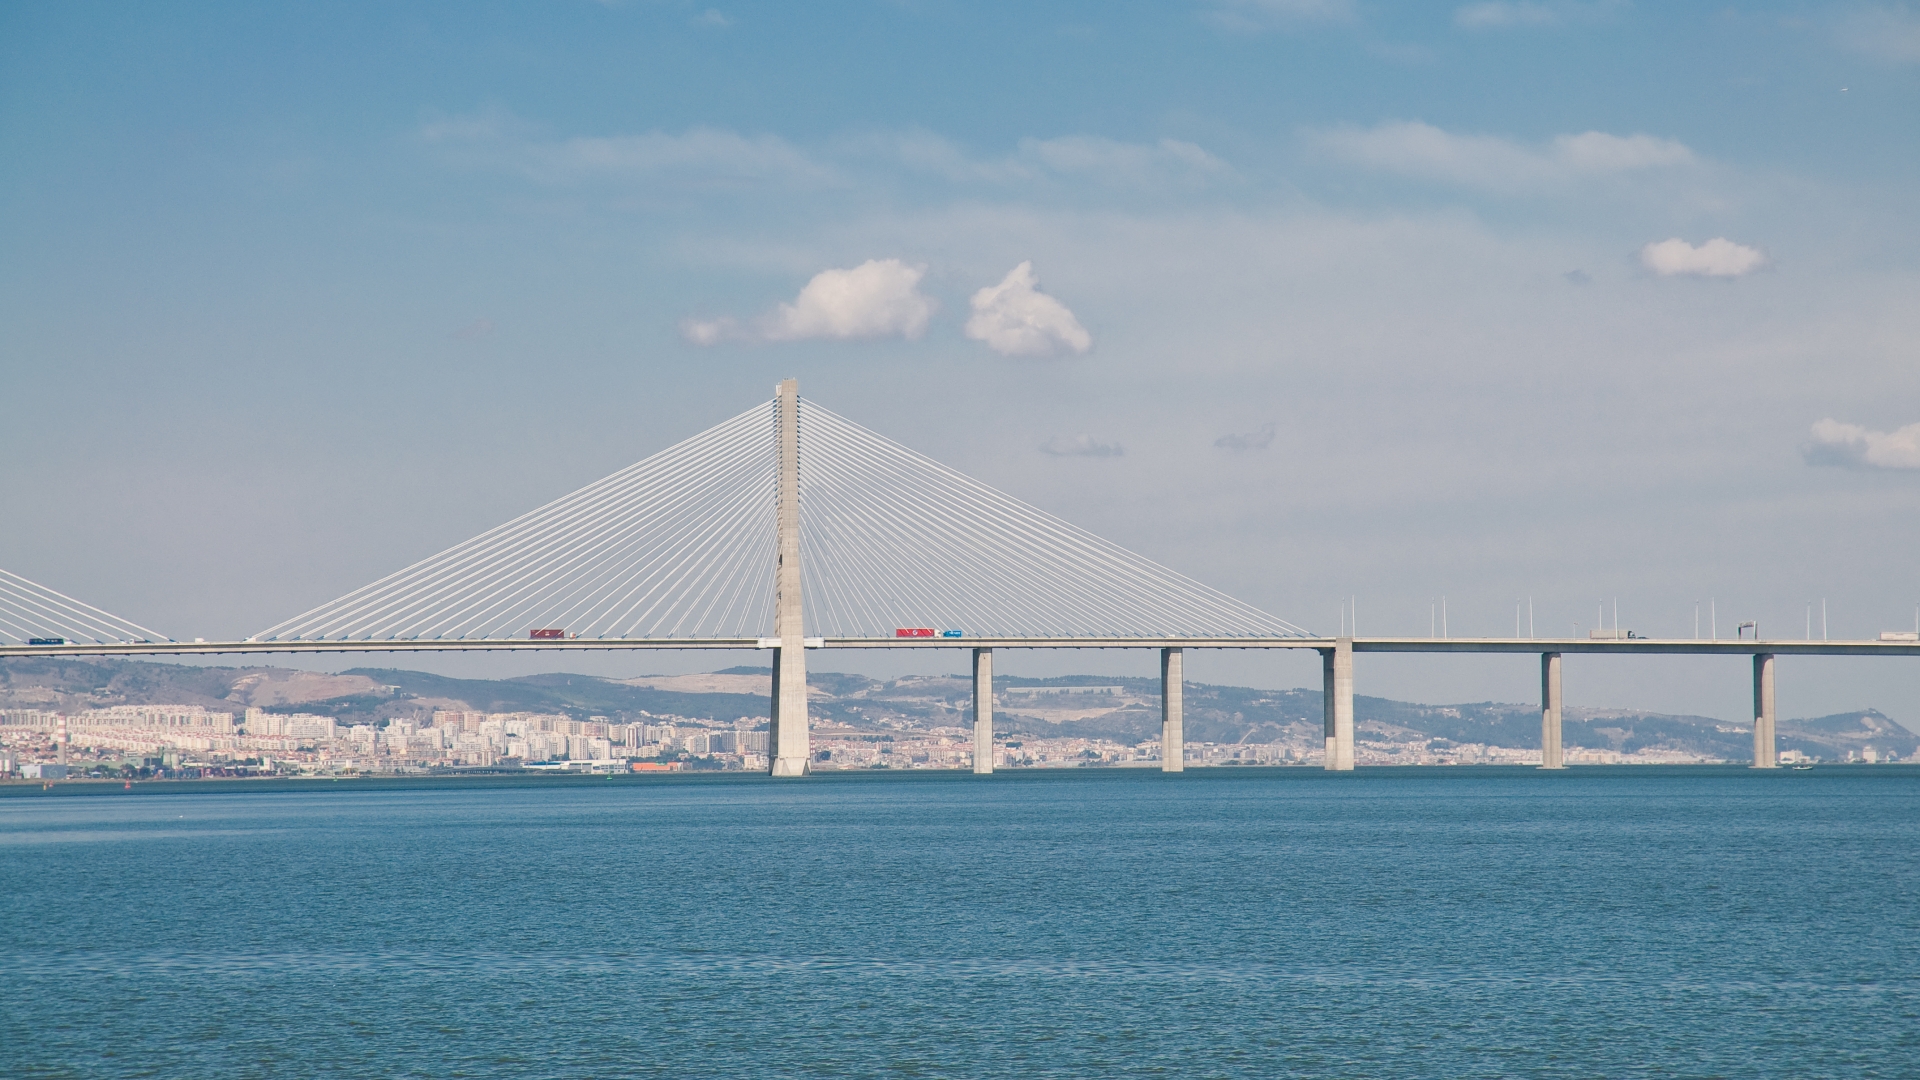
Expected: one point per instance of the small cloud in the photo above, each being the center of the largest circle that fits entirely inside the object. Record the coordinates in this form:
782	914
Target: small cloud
702	155
712	19
1718	257
1256	440
1168	163
1116	163
1597	151
1886	33
879	298
1850	446
1080	446
1402	52
713	331
1494	163
698	157
1253	16
1577	277
478	328
1502	15
1015	318
489	125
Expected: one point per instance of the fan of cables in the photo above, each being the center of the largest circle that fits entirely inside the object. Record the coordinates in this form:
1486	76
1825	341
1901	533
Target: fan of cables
31	612
891	538
683	546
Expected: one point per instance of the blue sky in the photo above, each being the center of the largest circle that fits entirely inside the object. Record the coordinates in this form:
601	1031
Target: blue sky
1561	300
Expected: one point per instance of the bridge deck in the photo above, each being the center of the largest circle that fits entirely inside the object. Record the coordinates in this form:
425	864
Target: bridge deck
1636	646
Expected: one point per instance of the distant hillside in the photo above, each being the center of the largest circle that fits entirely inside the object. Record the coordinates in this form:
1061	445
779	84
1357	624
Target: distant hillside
363	695
1124	709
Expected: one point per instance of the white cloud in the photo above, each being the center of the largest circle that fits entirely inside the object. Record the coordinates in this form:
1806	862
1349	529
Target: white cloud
1108	162
879	298
709	157
1488	161
1718	257
1015	318
1252	440
705	153
1251	16
1852	446
1080	446
714	331
1889	33
1114	162
717	159
1501	14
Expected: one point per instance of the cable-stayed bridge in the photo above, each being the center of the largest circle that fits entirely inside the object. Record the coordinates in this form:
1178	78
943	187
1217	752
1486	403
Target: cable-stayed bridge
788	528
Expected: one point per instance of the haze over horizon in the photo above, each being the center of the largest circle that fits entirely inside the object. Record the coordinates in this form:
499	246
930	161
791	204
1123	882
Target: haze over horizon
1307	299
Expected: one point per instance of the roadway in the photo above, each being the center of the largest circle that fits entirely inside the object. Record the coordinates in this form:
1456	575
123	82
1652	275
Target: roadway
1634	646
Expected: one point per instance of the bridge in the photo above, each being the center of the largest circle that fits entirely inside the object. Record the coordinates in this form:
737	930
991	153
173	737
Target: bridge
789	528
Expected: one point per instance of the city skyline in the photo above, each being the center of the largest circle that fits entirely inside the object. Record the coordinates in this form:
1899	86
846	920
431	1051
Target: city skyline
118	719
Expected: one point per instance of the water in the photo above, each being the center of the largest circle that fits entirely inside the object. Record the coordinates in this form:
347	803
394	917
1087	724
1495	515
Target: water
1233	923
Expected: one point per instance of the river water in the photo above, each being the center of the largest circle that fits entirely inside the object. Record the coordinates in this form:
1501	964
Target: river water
1605	922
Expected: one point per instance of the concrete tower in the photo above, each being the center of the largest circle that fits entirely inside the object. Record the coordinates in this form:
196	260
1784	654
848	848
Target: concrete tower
789	747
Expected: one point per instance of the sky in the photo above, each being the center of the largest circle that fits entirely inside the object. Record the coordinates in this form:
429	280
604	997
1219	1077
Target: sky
1317	301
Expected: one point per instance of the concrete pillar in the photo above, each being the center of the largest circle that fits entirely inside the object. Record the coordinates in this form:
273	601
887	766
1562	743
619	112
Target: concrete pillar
1550	711
1326	703
982	712
1173	730
1764	756
1336	696
789	745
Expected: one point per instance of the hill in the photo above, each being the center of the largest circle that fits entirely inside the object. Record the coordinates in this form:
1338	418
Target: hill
1125	710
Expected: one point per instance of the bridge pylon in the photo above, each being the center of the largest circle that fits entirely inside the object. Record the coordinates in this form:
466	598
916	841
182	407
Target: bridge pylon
789	743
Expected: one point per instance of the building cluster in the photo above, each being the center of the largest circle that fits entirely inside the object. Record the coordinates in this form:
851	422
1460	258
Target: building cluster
850	748
136	728
475	738
168	738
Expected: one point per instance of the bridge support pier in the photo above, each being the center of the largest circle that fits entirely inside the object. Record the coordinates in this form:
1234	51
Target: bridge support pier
1336	696
1173	730
789	743
1764	747
1550	711
982	712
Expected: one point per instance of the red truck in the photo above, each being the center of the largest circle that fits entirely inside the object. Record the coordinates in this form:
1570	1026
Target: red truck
914	631
546	635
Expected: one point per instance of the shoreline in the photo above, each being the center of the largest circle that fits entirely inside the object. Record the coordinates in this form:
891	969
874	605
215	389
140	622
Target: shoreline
20	789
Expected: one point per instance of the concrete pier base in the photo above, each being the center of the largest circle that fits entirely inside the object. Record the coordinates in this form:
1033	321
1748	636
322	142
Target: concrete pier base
1550	711
1336	695
789	744
1764	747
1173	732
982	712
